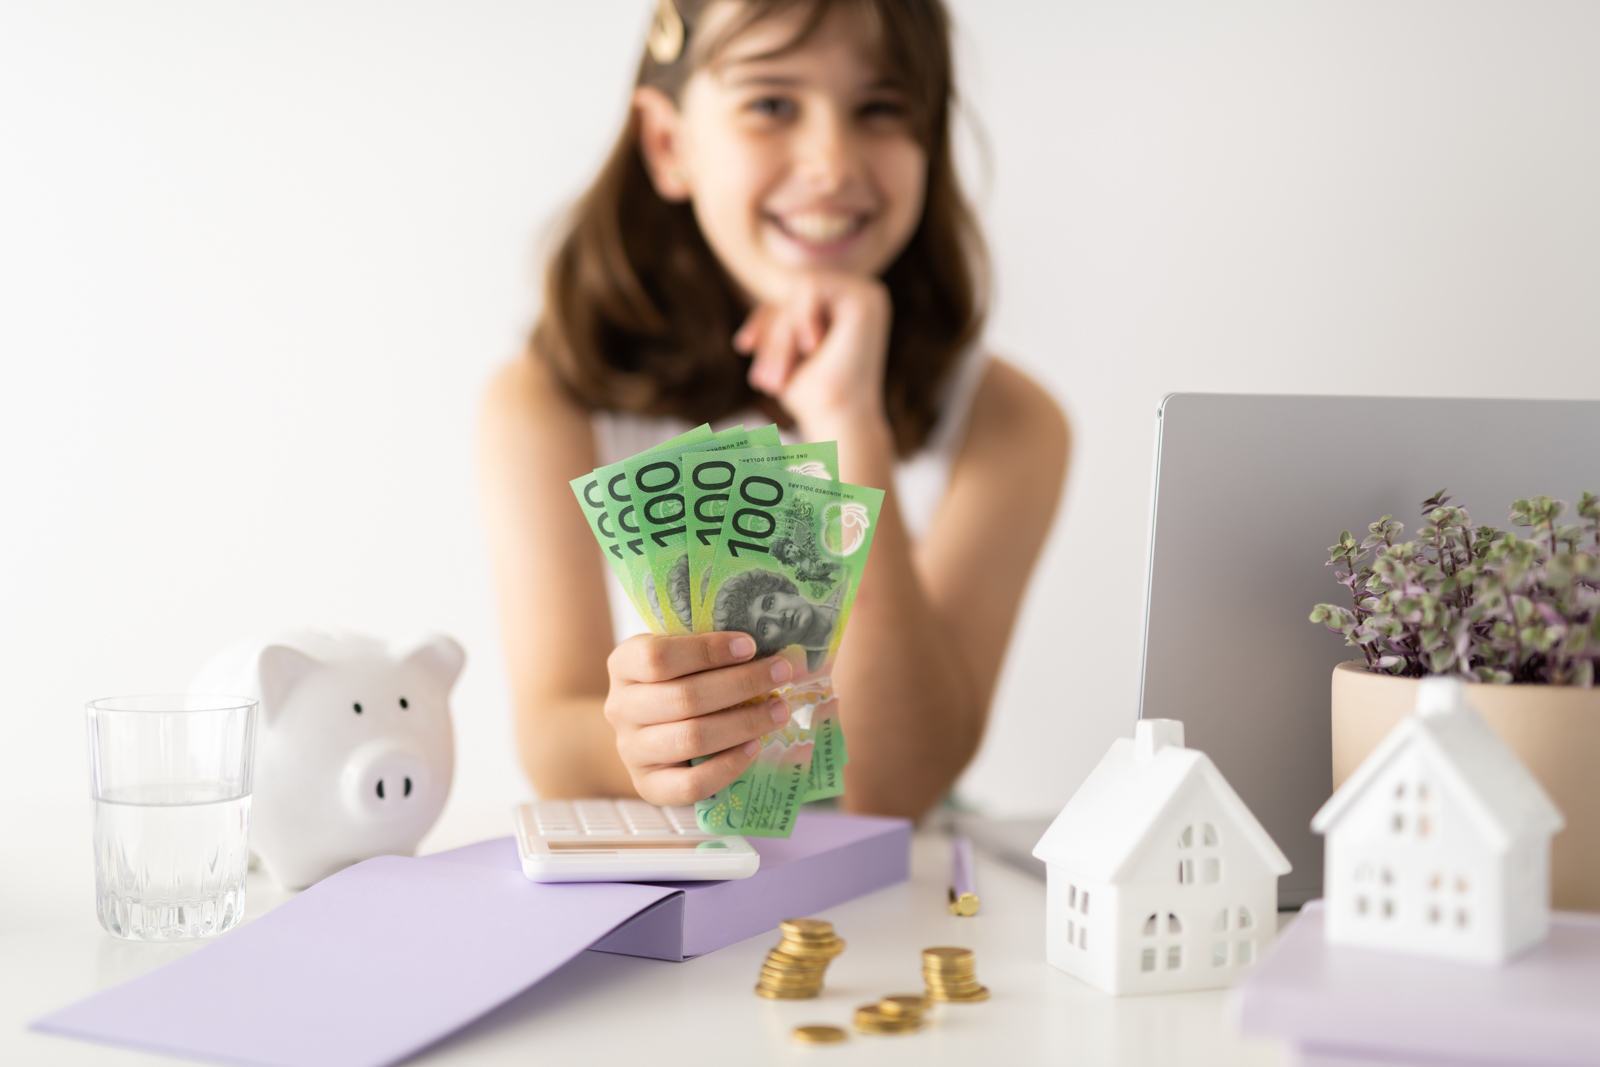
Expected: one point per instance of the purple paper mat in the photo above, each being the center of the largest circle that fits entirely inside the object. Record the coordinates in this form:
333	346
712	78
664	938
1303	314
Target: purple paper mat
383	959
1338	1002
363	969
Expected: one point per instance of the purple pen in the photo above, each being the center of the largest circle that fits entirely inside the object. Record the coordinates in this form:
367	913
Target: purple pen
963	889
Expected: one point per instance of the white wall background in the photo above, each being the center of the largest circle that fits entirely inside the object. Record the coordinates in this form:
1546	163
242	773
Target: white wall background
257	261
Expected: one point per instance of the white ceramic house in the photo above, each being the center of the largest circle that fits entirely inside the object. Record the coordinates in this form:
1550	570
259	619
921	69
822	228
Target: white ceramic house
1439	843
1160	879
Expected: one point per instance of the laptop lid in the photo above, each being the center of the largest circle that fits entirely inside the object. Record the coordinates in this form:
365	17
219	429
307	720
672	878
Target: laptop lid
1250	492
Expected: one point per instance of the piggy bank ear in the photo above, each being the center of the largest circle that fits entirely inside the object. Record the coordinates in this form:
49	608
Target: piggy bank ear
441	657
279	667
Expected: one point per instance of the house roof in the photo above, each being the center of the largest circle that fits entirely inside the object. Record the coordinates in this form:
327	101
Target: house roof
1471	761
1108	819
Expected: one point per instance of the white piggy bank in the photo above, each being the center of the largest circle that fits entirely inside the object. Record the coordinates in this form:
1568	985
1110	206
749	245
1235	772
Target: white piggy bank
354	750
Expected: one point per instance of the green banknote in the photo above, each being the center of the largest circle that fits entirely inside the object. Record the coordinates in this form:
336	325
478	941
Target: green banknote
654	484
786	571
707	478
604	501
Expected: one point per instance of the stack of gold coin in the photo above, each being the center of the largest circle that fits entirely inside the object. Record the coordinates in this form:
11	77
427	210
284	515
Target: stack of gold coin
794	970
952	974
892	1015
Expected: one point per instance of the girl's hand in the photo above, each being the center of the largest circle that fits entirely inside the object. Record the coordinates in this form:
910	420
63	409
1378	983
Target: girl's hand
672	700
821	353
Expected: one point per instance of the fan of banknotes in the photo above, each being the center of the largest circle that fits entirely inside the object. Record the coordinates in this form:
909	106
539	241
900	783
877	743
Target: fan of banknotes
734	530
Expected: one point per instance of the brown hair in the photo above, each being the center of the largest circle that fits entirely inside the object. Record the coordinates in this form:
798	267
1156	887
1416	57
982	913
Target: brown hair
639	314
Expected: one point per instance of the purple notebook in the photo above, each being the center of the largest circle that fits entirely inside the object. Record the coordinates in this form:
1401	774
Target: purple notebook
1345	1005
383	959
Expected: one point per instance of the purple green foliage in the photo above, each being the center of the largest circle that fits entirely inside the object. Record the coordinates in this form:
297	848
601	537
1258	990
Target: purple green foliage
1473	601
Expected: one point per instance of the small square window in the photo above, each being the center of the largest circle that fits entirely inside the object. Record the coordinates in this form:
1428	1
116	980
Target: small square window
1186	838
1147	960
1213	870
1219	954
1244	952
1072	932
1072	896
1174	957
1209	836
1220	923
1083	902
1186	872
1361	905
1245	922
1083	938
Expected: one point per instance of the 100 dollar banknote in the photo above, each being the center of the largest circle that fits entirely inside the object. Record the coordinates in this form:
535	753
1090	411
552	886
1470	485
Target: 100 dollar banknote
657	484
708	481
787	567
608	505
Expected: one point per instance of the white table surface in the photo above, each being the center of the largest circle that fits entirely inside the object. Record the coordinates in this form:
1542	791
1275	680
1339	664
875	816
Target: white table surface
604	1009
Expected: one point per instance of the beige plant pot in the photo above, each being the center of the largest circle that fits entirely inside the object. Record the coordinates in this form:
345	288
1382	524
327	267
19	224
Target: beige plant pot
1553	729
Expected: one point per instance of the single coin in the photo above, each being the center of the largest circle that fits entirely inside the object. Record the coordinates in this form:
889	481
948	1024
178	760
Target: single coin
807	929
903	1004
965	996
870	1020
818	1035
775	994
947	952
773	982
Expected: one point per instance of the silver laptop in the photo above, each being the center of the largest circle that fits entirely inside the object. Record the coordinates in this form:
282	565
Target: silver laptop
1250	491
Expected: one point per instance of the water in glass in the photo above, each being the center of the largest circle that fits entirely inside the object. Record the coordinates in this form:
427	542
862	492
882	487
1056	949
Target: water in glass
170	863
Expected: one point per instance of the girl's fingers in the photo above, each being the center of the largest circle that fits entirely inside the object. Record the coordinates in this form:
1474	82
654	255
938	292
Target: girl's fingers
651	658
777	357
749	336
697	695
672	743
671	786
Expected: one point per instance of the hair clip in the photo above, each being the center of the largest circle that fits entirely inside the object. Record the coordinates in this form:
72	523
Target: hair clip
666	34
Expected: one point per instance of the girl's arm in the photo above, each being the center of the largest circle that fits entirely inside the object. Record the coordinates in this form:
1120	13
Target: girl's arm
593	720
918	668
554	617
932	622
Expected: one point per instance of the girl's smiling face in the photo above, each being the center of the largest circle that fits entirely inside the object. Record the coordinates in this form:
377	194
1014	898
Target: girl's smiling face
798	162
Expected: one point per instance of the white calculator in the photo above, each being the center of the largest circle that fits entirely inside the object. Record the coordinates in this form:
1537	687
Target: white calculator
624	841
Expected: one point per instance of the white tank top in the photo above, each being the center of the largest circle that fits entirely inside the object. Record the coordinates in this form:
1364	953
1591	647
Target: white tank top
920	482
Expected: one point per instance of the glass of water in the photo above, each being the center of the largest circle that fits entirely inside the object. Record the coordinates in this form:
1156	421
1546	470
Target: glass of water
171	777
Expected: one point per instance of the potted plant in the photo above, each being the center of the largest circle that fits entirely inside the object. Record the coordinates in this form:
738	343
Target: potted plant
1518	617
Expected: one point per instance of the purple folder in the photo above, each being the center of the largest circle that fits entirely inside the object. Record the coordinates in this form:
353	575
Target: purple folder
830	858
387	957
1345	1005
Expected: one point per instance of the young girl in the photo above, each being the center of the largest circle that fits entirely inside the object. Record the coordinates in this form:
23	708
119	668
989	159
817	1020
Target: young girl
778	235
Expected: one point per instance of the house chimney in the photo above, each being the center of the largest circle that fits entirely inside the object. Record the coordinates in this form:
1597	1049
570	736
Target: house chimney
1152	735
1440	696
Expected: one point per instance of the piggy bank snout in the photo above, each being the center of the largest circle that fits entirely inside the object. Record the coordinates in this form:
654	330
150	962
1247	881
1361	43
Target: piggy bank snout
385	781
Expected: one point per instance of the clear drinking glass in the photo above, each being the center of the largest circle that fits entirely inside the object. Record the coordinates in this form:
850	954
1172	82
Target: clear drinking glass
171	777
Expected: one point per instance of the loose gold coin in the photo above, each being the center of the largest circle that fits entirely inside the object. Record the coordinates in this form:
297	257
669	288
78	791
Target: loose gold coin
870	1019
903	1004
818	1035
773	994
